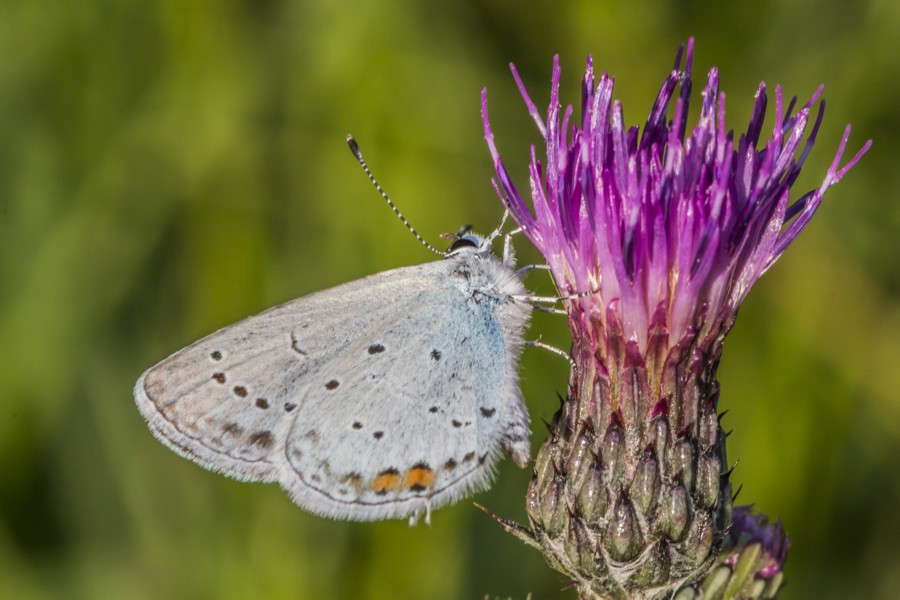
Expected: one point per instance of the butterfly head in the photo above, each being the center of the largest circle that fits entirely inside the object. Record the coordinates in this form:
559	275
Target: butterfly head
465	242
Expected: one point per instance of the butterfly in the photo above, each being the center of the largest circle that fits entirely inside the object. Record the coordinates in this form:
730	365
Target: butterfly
380	398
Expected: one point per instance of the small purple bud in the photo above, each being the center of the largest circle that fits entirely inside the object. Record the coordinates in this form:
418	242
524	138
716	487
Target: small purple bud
748	527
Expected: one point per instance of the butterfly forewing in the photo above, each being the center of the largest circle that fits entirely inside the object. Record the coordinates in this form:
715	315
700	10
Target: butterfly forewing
221	400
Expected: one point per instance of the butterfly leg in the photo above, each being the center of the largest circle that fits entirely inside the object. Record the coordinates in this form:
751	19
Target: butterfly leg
509	253
547	309
539	344
550	309
553	299
526	268
549	299
535	300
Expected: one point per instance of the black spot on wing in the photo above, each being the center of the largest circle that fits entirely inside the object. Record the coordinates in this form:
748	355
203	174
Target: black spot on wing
263	439
233	429
352	478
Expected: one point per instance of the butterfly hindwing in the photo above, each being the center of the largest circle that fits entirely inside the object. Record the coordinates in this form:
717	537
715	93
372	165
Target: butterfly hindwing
410	415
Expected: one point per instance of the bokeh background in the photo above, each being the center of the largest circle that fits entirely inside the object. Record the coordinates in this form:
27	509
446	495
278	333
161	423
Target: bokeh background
169	167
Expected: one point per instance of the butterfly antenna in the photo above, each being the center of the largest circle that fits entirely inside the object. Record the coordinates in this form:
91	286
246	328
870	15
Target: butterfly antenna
354	148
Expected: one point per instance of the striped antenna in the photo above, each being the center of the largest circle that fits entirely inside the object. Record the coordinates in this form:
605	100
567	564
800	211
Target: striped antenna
354	148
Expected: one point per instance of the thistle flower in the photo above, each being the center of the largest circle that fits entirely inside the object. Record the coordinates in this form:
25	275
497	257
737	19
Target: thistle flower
668	231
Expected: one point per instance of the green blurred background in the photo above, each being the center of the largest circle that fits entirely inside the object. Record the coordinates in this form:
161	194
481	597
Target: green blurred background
167	168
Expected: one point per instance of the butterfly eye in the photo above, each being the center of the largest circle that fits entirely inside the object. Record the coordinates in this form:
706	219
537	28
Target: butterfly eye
465	241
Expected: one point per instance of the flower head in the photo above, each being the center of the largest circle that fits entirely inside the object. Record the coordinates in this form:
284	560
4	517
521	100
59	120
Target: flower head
672	231
661	232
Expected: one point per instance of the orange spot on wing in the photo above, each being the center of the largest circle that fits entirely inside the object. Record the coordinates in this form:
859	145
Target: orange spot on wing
418	477
386	481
